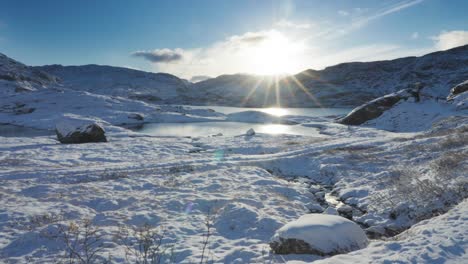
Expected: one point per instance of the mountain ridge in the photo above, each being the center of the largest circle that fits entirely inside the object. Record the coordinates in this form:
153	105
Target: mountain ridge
346	84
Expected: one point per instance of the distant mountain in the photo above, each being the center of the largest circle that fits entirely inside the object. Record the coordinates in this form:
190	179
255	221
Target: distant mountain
16	77
117	81
342	85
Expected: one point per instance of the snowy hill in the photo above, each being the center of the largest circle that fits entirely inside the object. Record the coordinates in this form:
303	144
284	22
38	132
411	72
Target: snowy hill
347	84
342	85
116	81
16	77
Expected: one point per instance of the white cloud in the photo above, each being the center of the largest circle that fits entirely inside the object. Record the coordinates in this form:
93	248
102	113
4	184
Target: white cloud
286	48
361	17
415	35
383	12
289	24
252	52
451	39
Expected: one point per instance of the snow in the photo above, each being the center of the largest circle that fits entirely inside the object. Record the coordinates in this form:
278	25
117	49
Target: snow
67	126
324	233
438	240
246	188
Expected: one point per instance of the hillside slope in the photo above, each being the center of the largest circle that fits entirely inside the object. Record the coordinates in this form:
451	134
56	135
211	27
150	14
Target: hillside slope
117	81
342	85
16	77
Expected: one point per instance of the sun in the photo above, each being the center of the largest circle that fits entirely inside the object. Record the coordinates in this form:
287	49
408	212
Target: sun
275	55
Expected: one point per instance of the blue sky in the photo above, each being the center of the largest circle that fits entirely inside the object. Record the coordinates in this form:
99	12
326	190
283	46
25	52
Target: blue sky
190	38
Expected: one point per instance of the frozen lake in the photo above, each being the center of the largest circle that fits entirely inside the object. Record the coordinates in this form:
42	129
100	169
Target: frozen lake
200	129
279	111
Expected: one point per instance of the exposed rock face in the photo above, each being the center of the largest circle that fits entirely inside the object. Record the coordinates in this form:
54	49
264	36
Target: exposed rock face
16	77
458	89
319	234
80	133
377	107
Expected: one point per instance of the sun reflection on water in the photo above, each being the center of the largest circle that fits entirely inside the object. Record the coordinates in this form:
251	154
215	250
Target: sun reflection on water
275	129
276	111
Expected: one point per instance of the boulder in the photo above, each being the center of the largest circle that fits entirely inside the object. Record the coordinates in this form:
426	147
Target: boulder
250	132
458	89
319	234
137	117
377	107
75	132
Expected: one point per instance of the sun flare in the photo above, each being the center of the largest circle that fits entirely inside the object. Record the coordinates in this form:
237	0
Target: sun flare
275	55
276	111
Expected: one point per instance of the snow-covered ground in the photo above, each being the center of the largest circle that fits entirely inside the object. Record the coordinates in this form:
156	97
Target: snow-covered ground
401	177
246	187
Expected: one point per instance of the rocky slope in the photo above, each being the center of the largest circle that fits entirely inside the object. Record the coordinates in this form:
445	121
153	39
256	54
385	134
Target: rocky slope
16	77
116	81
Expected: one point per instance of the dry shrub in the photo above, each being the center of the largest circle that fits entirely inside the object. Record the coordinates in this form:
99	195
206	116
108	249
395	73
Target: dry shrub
82	240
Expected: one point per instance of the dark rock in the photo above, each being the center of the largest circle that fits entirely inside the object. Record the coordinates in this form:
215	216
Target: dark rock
458	89
21	89
82	134
136	117
377	107
293	246
24	110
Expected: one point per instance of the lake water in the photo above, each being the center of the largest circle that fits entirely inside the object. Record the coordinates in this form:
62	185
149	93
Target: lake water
201	129
279	111
19	131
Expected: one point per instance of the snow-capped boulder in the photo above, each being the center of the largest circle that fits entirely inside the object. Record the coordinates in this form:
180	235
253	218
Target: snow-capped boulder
377	107
77	131
458	89
250	132
319	234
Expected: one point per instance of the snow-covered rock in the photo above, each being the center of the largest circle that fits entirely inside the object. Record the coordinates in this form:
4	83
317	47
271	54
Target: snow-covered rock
376	107
78	131
458	89
319	234
461	101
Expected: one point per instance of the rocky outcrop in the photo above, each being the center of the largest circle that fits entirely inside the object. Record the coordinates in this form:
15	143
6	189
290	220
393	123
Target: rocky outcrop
16	77
377	107
458	89
76	133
